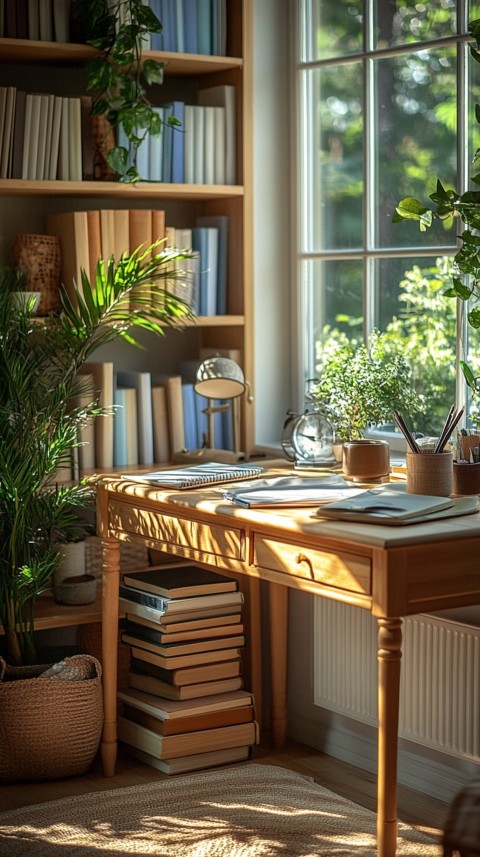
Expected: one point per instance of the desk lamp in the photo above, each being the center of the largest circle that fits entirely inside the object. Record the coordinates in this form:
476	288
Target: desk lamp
219	378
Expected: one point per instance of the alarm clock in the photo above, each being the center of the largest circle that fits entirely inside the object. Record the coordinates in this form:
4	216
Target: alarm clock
308	439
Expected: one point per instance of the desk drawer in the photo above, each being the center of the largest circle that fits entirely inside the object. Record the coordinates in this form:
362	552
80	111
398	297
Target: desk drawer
166	530
340	570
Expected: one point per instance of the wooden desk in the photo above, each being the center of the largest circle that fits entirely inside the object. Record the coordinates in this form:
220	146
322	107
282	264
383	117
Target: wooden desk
392	572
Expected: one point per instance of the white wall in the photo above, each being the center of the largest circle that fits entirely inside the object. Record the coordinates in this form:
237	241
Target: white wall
272	160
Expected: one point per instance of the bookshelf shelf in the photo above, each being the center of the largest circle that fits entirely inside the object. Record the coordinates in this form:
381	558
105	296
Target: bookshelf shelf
118	190
25	51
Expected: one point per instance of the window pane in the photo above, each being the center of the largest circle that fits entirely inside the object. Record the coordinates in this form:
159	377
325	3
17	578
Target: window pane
399	22
332	185
421	324
415	140
331	28
334	292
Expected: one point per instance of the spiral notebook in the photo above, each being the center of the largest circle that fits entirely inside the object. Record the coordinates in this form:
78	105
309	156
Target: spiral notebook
210	473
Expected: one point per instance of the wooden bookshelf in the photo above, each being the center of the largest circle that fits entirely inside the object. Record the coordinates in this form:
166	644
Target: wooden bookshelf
54	67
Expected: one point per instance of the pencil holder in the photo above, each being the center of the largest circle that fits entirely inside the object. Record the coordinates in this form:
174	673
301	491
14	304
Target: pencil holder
466	478
468	442
430	473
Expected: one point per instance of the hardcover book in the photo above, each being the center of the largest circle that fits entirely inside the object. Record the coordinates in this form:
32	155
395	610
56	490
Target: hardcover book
196	762
171	746
170	620
212	720
181	605
202	672
180	581
151	684
198	631
135	635
148	653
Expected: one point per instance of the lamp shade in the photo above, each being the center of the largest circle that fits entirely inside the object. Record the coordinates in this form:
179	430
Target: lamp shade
219	378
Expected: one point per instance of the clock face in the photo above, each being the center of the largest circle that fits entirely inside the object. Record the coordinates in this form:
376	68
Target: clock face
312	438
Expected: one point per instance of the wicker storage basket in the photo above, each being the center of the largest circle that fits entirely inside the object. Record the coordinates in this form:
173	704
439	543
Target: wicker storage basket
49	727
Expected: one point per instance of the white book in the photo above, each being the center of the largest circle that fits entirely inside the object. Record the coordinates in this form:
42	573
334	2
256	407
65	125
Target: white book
75	139
125	427
26	134
61	17
219	176
142	382
33	136
209	146
63	156
155	154
42	137
190	143
199	132
224	96
46	21
48	136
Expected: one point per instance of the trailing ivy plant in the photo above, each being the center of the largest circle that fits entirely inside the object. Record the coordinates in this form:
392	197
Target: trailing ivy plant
450	206
119	77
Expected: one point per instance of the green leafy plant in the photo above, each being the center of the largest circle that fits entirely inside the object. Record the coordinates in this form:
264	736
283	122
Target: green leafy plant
119	77
361	384
450	206
40	418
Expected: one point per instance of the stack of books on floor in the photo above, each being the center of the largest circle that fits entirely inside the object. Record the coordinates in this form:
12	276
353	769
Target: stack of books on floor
185	708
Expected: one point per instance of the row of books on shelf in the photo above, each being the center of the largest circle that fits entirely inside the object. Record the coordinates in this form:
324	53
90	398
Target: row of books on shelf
201	150
188	26
185	707
201	279
150	418
47	136
40	20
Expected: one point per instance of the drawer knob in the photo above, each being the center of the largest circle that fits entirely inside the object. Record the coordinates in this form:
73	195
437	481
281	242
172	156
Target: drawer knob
300	558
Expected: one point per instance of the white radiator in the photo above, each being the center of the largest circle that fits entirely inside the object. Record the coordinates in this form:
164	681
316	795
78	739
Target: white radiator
440	684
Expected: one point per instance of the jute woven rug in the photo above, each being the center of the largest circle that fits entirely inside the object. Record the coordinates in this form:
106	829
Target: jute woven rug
249	811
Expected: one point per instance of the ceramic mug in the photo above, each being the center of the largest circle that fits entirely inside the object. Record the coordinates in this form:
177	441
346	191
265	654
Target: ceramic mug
366	460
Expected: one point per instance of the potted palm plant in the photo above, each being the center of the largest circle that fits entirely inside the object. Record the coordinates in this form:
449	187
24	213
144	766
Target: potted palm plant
40	418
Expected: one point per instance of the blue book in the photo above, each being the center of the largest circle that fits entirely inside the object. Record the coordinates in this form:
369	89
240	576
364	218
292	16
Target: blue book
178	143
143	157
156	39
167	19
142	382
189	416
217	442
204	26
125	431
190	26
205	240
180	26
220	222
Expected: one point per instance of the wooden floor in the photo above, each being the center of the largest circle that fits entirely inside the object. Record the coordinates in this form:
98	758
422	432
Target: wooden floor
356	785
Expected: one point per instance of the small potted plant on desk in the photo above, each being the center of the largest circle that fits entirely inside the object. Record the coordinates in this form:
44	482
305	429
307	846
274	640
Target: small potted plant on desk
361	385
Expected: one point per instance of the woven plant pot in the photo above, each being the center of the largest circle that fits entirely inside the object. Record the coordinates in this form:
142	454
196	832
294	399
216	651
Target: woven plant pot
40	257
49	727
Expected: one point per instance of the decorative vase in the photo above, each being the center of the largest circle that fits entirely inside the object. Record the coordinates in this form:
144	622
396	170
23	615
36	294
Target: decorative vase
40	257
72	561
366	460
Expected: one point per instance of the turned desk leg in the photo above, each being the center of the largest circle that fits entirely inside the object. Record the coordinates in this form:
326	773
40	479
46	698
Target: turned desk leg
278	657
111	579
389	656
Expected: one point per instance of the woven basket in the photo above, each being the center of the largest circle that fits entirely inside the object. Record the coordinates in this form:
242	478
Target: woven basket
40	257
49	727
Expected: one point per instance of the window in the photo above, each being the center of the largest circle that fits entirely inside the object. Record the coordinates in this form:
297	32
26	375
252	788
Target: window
386	93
